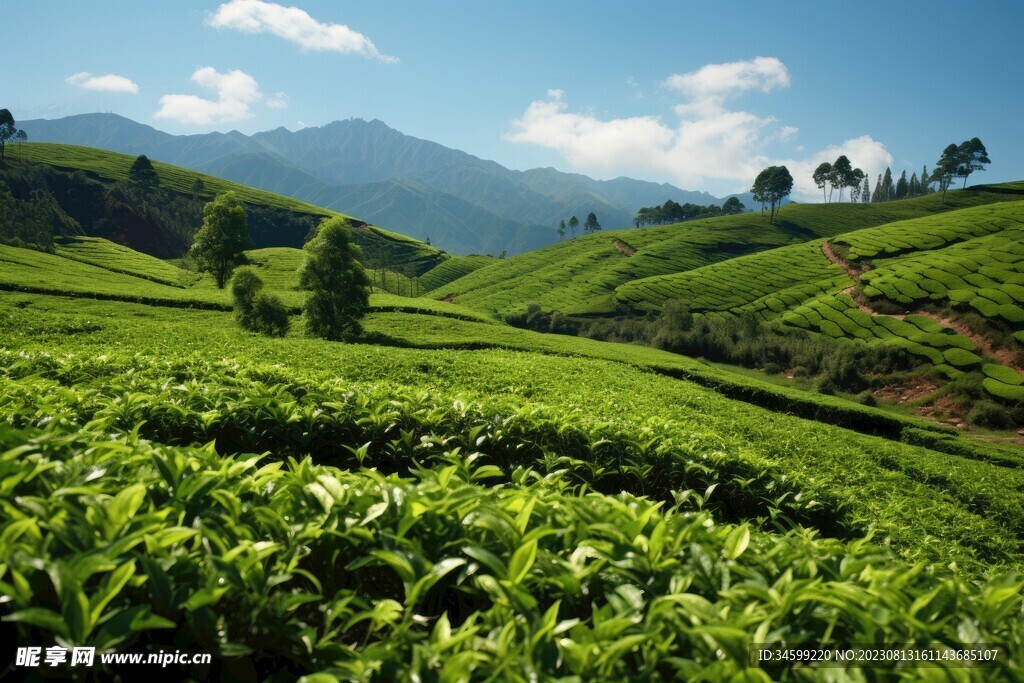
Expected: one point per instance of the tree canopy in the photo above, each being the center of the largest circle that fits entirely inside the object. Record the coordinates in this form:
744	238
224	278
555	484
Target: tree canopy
771	186
219	244
591	225
8	131
142	173
971	156
339	289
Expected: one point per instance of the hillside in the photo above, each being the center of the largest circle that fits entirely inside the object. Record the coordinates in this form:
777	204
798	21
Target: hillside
462	203
594	274
88	187
464	472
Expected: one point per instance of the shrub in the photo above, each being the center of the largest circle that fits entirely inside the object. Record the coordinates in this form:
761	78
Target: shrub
269	315
339	289
989	414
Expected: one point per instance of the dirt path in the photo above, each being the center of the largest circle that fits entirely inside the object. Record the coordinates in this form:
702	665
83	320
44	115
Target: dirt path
832	256
624	248
451	297
1005	356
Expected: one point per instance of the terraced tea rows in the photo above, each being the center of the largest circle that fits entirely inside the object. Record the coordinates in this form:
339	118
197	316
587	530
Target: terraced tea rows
580	276
737	282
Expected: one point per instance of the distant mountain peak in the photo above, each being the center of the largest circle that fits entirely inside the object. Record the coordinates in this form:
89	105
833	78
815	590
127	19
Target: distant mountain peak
369	169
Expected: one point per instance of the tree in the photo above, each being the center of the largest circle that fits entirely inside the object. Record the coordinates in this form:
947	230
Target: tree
853	182
219	244
865	191
198	187
772	185
822	175
888	189
901	186
256	310
561	229
876	196
573	224
842	174
8	131
946	168
733	205
591	225
971	156
143	174
339	290
925	180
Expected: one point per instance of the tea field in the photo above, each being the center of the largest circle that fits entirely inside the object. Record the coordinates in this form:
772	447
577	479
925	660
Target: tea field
590	275
455	499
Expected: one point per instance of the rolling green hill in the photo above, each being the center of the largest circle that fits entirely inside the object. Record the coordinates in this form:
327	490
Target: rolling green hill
583	275
451	495
83	178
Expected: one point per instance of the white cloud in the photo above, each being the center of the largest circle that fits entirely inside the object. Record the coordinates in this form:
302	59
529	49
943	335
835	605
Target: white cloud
709	143
278	101
236	92
294	25
864	153
104	83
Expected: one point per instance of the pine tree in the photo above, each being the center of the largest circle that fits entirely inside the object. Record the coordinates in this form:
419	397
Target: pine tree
865	192
915	189
926	180
877	194
901	187
888	189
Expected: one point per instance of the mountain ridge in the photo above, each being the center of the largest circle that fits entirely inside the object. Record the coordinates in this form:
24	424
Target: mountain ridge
463	203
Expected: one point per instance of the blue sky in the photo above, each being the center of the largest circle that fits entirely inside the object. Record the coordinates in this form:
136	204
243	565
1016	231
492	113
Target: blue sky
700	95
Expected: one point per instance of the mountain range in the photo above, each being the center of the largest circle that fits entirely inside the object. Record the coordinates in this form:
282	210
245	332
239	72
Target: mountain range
461	203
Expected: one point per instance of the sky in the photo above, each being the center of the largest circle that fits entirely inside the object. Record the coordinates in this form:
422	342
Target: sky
701	95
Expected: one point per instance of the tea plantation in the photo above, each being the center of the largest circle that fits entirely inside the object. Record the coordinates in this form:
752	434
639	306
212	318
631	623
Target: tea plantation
449	498
465	500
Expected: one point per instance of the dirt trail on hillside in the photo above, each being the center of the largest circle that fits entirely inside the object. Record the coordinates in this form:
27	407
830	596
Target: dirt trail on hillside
624	248
832	256
1005	356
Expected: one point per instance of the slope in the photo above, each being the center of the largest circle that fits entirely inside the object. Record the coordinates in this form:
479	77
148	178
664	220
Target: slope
581	276
274	220
355	166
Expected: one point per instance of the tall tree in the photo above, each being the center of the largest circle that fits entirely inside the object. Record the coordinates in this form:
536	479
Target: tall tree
888	188
842	174
876	196
9	132
914	188
901	186
821	176
772	185
853	182
947	168
561	230
573	224
219	244
925	180
865	191
339	290
972	156
591	226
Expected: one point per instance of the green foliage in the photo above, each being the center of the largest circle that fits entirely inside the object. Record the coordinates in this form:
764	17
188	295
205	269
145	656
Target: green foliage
338	287
772	185
9	132
144	175
220	242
